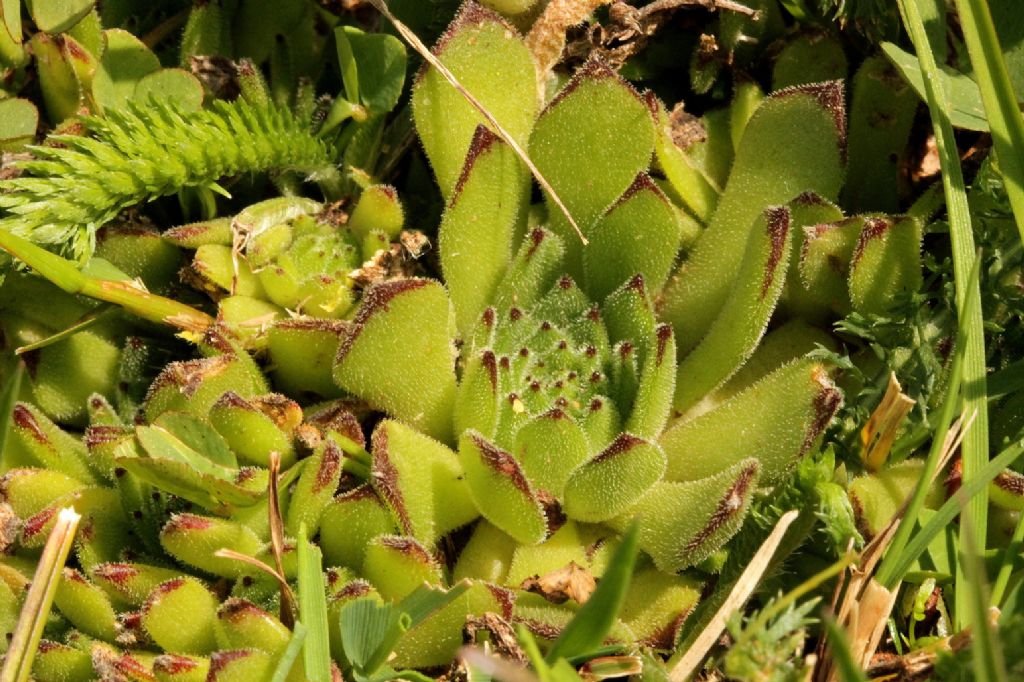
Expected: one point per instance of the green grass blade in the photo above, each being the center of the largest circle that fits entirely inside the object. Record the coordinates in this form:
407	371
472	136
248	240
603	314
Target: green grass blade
11	389
426	600
595	618
290	654
1001	108
1009	379
986	652
89	319
313	611
35	612
975	445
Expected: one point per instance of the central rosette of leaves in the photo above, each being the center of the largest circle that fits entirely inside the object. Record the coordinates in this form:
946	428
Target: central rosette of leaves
558	399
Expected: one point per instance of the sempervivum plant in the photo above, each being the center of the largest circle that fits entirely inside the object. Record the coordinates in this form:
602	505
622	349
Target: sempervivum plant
573	381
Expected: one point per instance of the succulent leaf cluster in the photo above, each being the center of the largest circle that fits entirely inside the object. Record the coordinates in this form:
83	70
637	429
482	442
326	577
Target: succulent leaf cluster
478	434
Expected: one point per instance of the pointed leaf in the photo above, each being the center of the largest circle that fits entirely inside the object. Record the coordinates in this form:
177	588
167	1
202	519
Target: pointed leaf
489	59
639	234
794	143
777	420
501	490
420	480
885	264
654	395
591	142
475	236
613	480
734	335
399	358
548	448
681	524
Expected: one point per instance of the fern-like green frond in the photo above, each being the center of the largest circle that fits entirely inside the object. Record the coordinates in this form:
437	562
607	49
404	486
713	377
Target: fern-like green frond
77	183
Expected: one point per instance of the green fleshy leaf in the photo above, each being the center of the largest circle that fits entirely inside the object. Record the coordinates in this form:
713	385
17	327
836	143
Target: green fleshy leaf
681	524
399	357
55	661
194	539
489	59
313	492
509	7
29	491
252	433
420	480
85	605
885	264
532	273
548	448
181	615
657	605
241	665
586	546
824	267
684	175
194	386
784	344
378	209
35	440
475	236
809	58
809	211
130	584
777	420
734	335
62	91
628	315
397	566
348	524
302	351
654	395
487	555
590	143
177	85
124	63
613	480
207	31
794	143
61	382
476	406
18	122
501	490
881	115
638	235
877	496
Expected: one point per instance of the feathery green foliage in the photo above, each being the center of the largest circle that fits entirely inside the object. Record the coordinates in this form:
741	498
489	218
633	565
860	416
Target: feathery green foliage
76	184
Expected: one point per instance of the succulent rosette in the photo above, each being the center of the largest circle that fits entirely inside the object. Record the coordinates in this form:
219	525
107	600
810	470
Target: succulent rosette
639	367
